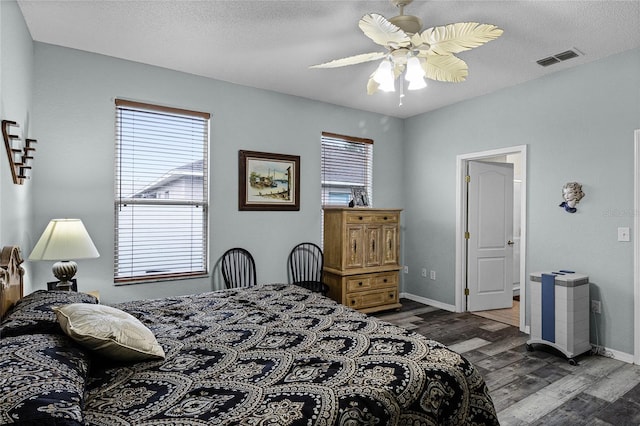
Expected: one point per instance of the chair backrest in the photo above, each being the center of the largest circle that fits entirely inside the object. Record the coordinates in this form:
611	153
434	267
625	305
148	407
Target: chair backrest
305	263
238	268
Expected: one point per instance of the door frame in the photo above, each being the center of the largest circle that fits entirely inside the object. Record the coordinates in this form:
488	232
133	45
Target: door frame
461	207
636	249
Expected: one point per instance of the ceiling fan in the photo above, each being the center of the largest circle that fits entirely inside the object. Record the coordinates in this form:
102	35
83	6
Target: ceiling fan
418	54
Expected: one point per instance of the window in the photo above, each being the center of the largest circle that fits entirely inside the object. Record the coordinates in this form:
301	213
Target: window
346	163
161	194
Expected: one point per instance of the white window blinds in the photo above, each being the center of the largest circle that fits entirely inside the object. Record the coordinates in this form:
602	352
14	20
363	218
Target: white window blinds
346	163
161	194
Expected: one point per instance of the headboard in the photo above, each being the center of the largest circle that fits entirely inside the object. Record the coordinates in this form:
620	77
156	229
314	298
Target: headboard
11	274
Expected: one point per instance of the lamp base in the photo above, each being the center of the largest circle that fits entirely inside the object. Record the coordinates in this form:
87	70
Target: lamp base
64	285
64	270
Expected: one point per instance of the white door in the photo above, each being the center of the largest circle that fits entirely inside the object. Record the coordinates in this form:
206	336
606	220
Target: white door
490	238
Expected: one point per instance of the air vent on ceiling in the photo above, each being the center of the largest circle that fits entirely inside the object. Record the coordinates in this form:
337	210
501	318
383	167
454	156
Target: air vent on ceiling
547	61
559	57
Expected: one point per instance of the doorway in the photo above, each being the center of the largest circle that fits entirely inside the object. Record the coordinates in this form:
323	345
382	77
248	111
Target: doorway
517	156
489	235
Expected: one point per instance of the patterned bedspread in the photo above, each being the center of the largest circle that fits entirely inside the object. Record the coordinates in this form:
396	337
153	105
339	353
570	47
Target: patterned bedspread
274	355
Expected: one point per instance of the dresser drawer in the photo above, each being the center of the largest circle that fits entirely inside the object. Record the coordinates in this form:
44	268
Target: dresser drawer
371	282
362	300
385	280
379	218
358	284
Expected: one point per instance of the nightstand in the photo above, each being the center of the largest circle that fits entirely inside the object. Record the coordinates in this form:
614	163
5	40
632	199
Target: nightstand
52	285
74	287
94	293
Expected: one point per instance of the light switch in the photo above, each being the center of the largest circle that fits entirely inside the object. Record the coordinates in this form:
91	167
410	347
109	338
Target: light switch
623	234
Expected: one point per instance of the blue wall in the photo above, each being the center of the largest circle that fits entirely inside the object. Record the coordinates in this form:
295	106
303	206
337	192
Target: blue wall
578	125
16	82
74	111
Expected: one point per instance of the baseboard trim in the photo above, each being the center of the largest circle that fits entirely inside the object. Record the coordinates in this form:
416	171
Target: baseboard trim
620	356
430	302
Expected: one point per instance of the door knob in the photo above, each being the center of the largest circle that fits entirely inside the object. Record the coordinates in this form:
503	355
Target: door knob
510	243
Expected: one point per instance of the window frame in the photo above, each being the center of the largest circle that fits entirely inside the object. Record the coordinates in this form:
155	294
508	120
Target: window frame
120	200
347	186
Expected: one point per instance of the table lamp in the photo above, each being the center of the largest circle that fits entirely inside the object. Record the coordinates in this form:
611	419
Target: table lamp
63	240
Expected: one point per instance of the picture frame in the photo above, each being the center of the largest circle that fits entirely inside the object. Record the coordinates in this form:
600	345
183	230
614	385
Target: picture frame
51	285
359	196
268	181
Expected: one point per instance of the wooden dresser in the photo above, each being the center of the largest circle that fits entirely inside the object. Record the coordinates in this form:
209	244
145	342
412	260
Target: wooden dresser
362	257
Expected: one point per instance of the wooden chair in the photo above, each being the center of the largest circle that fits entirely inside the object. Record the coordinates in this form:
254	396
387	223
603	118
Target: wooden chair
306	261
238	268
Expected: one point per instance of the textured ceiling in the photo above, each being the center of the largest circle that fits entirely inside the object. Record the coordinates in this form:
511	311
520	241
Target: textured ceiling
270	44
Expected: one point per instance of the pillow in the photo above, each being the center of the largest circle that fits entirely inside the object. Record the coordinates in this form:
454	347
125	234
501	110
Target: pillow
43	380
33	314
109	332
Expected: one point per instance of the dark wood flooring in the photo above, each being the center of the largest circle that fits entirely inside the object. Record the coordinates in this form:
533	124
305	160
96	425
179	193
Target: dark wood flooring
531	388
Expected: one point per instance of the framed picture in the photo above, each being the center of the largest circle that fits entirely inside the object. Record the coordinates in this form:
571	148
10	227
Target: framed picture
268	181
51	285
360	198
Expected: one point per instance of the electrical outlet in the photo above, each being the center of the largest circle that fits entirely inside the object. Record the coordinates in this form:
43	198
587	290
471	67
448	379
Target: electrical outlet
623	234
424	272
432	275
596	306
406	269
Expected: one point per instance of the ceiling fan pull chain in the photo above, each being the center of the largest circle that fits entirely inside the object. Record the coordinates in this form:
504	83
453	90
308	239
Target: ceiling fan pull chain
401	84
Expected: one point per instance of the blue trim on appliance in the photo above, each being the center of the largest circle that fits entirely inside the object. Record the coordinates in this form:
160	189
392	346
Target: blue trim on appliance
549	307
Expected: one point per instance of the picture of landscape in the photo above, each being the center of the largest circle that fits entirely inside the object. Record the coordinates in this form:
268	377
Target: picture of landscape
269	181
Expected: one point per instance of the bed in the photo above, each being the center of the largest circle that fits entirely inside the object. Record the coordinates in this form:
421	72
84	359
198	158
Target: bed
269	355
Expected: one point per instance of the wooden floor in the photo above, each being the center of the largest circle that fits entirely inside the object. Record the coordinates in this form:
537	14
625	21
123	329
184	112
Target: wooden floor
509	316
531	388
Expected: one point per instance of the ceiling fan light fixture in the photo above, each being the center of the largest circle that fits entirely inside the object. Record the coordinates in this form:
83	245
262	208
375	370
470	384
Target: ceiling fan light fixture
415	74
384	76
417	84
414	69
416	53
388	86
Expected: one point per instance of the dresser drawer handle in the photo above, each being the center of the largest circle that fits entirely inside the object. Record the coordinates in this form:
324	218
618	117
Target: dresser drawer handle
391	295
353	302
360	283
360	218
385	280
385	218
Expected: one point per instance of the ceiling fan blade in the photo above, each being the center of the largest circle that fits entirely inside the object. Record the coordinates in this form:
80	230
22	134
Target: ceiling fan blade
383	32
372	86
416	40
446	68
455	38
352	60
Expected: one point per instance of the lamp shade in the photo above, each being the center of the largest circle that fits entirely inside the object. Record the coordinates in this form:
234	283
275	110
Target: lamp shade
414	69
64	239
384	76
415	74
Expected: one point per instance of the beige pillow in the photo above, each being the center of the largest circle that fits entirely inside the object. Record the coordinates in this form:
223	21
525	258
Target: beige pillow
108	331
